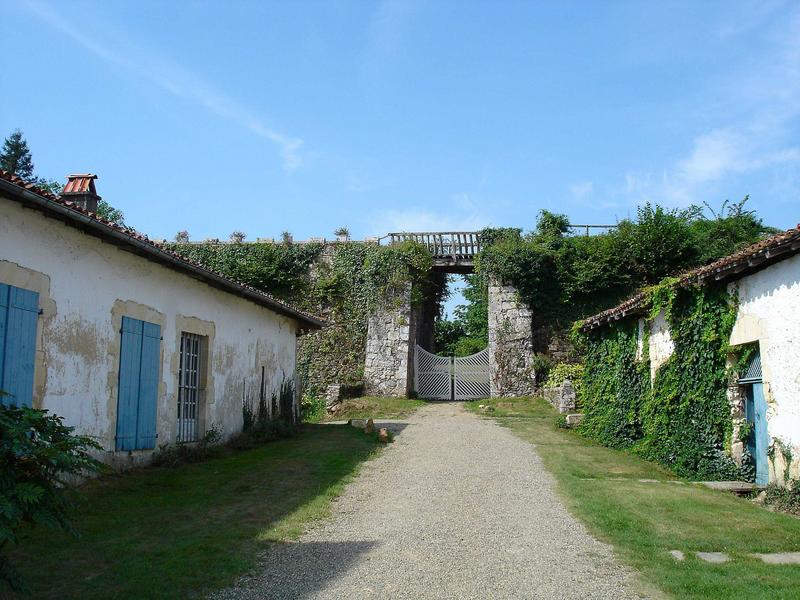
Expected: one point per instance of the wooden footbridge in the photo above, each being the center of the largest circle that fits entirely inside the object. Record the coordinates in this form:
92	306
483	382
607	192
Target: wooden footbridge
453	251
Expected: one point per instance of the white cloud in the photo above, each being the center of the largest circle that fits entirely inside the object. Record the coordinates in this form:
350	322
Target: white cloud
768	97
581	189
465	215
111	47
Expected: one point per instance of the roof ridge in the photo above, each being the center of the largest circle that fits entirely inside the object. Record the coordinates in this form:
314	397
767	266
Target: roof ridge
160	247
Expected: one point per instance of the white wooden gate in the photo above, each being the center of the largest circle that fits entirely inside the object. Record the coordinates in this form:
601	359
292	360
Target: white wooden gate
471	376
447	378
433	378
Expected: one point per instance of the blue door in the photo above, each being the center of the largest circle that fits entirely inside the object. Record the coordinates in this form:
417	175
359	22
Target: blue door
759	441
19	314
756	413
139	361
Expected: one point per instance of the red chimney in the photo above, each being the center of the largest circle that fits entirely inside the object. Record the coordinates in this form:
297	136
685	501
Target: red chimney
80	190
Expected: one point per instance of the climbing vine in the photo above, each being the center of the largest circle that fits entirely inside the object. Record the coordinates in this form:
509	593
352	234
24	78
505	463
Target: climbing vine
343	283
682	418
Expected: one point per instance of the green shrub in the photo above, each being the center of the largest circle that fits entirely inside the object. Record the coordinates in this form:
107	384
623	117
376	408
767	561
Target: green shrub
39	455
563	371
565	277
174	455
541	367
785	499
312	408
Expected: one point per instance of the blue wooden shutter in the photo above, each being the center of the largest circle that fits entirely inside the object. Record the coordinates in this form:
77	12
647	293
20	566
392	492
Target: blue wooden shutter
139	359
148	386
130	355
19	313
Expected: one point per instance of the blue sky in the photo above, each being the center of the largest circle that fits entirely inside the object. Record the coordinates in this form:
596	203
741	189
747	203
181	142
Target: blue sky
394	115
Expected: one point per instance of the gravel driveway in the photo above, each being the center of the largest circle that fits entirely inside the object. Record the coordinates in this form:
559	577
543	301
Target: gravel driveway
457	507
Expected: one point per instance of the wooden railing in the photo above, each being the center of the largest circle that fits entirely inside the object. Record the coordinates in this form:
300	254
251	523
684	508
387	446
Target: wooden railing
456	245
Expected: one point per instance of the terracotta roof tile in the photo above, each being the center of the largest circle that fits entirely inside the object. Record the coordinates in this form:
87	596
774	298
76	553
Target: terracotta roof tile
157	251
747	260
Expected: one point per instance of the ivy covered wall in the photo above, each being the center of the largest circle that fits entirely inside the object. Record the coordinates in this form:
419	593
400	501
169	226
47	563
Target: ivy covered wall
341	282
681	417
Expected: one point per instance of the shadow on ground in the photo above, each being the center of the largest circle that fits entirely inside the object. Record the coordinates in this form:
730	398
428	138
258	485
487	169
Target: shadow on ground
173	533
295	570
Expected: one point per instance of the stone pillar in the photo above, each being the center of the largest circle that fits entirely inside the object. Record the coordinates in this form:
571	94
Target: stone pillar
510	342
389	365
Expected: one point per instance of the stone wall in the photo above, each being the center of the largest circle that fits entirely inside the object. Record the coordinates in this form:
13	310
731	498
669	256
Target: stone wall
563	398
510	342
391	335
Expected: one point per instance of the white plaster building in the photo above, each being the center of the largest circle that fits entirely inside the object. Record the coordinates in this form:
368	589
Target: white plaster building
127	341
764	280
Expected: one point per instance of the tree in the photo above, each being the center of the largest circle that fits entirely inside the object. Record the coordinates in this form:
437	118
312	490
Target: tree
49	185
16	157
182	237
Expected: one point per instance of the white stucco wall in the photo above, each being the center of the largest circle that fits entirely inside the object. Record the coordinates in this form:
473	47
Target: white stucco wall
660	345
769	313
86	286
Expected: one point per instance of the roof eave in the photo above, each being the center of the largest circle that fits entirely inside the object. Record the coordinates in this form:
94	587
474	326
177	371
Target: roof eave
150	251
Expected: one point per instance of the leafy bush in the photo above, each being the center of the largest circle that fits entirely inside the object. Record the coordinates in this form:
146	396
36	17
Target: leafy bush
563	371
174	455
39	455
312	408
566	277
785	499
542	364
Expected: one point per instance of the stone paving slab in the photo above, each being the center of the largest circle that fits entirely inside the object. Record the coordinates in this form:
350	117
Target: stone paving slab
779	558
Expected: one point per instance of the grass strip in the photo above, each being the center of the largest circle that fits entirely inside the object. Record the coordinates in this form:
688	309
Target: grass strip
178	533
645	520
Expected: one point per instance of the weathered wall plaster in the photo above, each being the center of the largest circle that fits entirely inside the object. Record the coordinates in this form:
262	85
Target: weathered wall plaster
660	345
85	288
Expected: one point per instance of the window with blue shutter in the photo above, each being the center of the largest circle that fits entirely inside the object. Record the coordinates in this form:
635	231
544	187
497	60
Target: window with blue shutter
19	314
139	361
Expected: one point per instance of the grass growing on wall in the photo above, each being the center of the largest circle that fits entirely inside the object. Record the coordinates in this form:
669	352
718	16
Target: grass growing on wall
683	419
343	286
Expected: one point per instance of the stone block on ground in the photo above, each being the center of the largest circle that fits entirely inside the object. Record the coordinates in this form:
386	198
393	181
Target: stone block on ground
740	488
563	398
574	419
360	423
333	398
716	558
779	558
